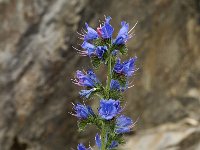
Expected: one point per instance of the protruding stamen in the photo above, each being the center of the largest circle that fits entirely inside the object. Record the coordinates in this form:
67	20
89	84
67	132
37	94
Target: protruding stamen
80	34
135	122
76	49
130	86
133	27
83	31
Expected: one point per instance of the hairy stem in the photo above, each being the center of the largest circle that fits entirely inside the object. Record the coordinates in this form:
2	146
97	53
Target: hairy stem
109	74
109	77
99	95
103	138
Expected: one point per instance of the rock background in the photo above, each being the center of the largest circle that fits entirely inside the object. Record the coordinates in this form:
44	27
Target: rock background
37	62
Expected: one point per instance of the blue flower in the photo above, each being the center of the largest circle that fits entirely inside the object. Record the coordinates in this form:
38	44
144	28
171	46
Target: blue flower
91	34
98	141
100	50
129	67
86	80
89	49
82	147
114	144
114	85
109	108
114	53
123	35
92	75
106	30
123	124
82	111
126	68
86	93
118	66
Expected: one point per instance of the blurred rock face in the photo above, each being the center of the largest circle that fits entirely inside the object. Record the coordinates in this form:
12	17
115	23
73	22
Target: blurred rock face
37	62
177	136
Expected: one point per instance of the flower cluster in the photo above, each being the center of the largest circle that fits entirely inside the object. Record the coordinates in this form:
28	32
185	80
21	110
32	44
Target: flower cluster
102	48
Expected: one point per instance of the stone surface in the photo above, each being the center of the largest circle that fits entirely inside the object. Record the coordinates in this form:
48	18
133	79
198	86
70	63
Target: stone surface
37	62
184	135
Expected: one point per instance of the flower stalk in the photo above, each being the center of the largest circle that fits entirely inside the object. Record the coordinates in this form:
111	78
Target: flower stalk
103	135
109	77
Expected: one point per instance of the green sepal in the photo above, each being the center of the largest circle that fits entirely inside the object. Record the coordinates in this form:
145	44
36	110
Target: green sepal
82	125
105	57
95	62
98	42
121	78
102	42
113	136
115	94
96	120
123	49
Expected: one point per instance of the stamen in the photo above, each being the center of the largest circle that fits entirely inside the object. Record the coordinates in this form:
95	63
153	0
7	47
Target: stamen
73	80
123	107
133	27
72	103
83	31
130	82
72	114
81	52
135	122
76	49
131	33
131	86
105	16
81	38
79	33
84	71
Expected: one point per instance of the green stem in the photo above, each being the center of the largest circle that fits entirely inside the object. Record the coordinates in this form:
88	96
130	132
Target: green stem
99	95
103	138
103	131
109	75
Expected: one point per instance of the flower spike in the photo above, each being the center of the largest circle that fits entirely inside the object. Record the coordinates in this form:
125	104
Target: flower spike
100	46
